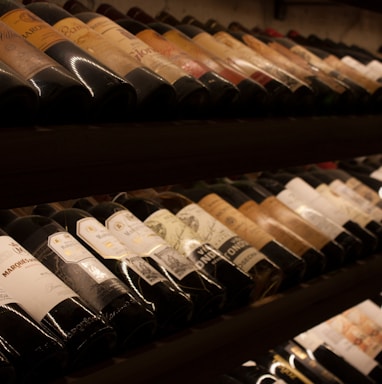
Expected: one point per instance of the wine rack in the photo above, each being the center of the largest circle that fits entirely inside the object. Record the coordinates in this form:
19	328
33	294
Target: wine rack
53	163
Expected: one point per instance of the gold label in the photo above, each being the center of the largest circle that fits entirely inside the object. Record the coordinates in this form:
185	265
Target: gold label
235	220
136	48
96	45
32	28
21	55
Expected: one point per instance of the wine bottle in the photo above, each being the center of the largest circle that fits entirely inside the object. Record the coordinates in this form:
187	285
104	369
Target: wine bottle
153	92
170	306
313	260
352	245
224	93
61	96
61	253
191	94
211	230
210	261
314	198
85	334
248	88
29	352
333	251
372	229
7	370
291	266
303	100
111	94
334	358
16	92
299	359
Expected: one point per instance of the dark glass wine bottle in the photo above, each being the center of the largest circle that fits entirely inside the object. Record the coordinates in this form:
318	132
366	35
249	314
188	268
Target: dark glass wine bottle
16	92
302	101
111	95
275	254
333	251
29	352
171	307
85	334
224	94
299	359
352	245
61	96
153	92
209	294
314	198
241	287
62	254
266	276
371	228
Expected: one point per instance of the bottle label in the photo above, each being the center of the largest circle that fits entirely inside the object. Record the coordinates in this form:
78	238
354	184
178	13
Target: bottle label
355	64
32	28
173	53
96	45
18	53
286	216
211	230
65	246
97	236
350	210
313	198
145	242
344	348
377	174
364	190
372	310
25	278
235	220
374	70
228	55
325	225
136	48
5	298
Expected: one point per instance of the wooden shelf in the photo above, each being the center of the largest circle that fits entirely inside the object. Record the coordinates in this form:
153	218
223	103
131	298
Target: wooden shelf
40	164
200	353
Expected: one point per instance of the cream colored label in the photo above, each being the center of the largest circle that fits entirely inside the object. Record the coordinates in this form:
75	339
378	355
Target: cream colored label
365	191
32	28
349	209
211	230
99	238
372	310
355	64
344	348
377	174
28	281
235	220
71	251
5	298
314	217
96	45
18	53
138	49
142	240
173	53
374	70
353	197
259	61
294	222
316	200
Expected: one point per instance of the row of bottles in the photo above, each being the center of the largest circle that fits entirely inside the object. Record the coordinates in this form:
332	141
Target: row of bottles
103	274
69	63
343	349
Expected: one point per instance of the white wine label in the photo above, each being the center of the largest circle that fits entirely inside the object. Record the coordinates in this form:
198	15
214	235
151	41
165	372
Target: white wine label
98	237
349	209
316	200
28	281
309	340
65	246
5	298
365	191
377	174
317	219
344	348
137	48
355	64
145	242
372	310
353	197
211	230
374	70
